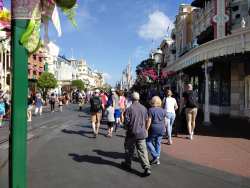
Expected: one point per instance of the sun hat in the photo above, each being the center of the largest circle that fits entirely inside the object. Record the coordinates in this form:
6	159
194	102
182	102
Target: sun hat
109	102
97	91
112	89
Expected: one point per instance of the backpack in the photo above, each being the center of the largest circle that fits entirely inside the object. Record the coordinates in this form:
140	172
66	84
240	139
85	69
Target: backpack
96	104
191	100
53	100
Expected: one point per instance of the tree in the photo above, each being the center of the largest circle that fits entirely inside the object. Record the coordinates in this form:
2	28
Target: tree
79	84
148	64
47	81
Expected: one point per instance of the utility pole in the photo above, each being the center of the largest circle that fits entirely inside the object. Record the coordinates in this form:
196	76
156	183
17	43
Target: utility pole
18	123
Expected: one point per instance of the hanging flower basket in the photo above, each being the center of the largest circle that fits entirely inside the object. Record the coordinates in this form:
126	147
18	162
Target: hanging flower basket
146	76
169	77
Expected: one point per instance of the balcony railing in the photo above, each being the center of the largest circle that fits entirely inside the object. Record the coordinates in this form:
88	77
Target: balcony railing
189	47
202	21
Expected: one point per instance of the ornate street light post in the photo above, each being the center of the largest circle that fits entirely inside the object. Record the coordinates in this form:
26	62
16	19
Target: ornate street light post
207	67
86	83
158	59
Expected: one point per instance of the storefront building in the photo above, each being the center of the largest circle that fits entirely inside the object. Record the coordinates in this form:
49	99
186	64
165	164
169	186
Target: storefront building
217	49
35	70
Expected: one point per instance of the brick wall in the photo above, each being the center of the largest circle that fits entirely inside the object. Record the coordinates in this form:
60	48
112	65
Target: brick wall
237	90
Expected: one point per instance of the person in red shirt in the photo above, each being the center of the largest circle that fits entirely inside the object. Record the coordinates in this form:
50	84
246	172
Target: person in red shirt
104	97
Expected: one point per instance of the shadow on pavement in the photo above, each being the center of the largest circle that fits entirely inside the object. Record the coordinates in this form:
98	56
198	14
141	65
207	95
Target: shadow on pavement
82	133
101	161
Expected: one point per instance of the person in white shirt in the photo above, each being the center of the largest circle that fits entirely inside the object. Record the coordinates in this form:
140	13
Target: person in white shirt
170	105
80	100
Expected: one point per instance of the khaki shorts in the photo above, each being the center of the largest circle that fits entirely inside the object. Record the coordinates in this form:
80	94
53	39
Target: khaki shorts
191	114
122	110
96	117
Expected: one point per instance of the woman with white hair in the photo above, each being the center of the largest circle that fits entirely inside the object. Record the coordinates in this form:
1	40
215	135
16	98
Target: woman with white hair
38	104
156	128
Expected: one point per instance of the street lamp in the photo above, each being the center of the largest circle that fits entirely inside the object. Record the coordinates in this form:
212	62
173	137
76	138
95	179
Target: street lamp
158	59
86	83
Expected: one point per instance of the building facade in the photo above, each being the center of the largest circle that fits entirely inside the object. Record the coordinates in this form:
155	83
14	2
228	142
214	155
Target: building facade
67	70
211	51
95	78
127	80
35	69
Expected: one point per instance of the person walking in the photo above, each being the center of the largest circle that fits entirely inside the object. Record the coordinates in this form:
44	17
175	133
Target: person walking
104	100
156	127
122	101
52	102
97	106
189	101
170	105
87	97
128	101
80	100
2	111
38	104
115	102
60	104
136	117
109	112
30	106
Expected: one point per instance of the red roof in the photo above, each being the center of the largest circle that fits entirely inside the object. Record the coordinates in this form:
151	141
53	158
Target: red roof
41	70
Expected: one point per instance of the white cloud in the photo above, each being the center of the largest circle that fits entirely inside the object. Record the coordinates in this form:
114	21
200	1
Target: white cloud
107	76
156	27
139	51
102	8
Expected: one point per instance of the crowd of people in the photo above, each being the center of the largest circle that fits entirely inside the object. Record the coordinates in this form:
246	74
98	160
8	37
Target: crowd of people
148	119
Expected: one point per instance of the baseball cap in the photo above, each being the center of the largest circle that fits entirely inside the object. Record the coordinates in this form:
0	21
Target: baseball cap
109	102
102	91
112	89
1	90
97	91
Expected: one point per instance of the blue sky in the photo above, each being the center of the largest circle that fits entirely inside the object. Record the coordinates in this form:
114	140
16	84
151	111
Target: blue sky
111	31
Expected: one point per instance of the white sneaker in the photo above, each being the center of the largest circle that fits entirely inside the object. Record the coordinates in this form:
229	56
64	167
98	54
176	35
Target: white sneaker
189	137
192	133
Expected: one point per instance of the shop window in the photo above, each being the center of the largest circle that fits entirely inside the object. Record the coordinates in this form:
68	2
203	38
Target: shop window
40	59
34	57
225	85
215	85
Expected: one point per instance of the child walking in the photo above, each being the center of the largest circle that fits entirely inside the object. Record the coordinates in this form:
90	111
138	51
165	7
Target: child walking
60	104
109	112
2	111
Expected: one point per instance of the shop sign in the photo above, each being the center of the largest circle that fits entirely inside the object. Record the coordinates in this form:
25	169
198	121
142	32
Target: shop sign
220	18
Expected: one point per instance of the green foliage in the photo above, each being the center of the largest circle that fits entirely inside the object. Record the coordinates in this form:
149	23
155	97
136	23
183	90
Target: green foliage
79	84
148	64
71	14
47	80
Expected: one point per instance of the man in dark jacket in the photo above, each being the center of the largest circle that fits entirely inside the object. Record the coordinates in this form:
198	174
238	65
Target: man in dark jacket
136	117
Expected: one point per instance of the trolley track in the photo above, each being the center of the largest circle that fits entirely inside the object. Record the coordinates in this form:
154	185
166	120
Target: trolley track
44	129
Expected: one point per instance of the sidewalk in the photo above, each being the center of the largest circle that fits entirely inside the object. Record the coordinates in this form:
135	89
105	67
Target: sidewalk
225	145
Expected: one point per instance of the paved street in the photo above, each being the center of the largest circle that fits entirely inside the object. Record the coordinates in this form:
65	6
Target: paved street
68	156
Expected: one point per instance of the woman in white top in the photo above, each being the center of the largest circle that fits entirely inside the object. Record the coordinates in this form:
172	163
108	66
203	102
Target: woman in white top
170	105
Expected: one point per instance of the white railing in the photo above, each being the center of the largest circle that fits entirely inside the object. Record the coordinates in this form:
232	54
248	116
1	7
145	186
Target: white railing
201	23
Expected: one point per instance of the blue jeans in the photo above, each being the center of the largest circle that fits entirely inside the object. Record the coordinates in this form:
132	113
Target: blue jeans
170	121
154	150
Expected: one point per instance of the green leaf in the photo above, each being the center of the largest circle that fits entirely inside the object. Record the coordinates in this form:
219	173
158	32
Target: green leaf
73	22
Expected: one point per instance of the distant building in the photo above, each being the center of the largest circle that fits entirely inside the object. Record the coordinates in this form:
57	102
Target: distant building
127	79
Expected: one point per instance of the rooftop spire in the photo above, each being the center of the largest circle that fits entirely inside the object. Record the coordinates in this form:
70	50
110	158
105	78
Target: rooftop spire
128	62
